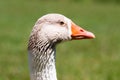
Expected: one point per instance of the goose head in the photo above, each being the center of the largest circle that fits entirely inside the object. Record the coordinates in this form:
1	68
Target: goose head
47	32
57	28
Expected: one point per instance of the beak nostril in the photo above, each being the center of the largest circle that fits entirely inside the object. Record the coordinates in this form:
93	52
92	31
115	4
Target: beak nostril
81	30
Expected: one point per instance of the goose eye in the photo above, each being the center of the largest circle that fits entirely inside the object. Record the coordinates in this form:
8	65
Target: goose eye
62	23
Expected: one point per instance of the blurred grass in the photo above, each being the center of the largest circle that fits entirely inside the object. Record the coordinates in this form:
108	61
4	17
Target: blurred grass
97	59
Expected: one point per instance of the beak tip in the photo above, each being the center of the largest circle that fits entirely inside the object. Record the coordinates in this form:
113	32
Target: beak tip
94	36
90	35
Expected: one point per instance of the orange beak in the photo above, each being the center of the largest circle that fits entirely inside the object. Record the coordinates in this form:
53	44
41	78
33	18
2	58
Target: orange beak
79	33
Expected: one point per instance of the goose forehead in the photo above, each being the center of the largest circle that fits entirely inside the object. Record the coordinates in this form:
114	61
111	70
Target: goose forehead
54	17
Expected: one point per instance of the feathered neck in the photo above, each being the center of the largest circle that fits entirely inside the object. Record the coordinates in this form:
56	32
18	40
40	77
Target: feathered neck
42	60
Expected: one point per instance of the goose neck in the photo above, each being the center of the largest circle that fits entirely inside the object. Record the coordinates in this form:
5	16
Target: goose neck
42	62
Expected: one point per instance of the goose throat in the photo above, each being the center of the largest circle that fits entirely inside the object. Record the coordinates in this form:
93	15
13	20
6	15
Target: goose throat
42	61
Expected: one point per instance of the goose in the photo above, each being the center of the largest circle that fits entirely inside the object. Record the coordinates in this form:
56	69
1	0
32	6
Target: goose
50	30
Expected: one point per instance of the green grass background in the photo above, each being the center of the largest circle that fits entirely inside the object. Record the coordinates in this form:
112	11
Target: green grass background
97	59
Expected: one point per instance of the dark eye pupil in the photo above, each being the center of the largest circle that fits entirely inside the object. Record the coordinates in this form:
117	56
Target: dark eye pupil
61	23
